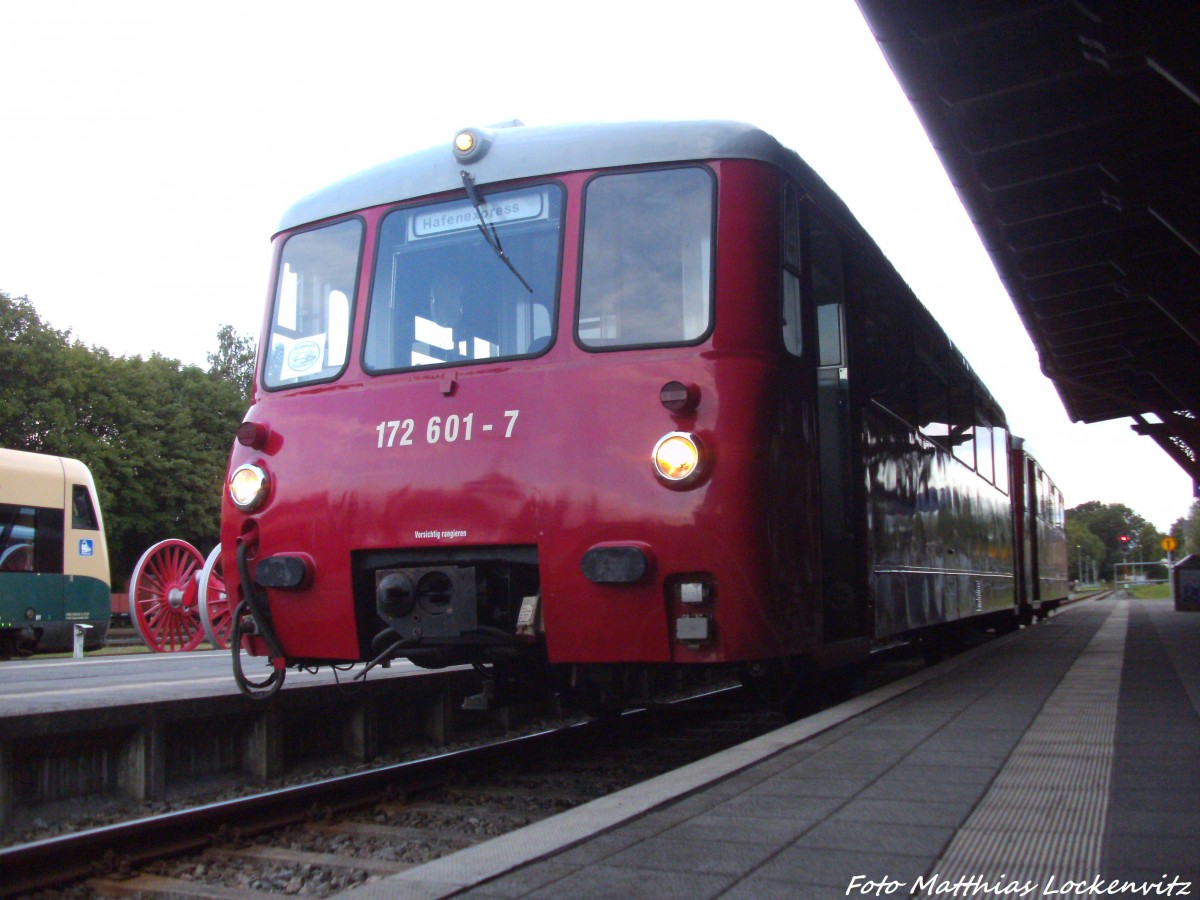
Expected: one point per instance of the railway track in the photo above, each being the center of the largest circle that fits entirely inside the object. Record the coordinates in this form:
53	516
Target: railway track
326	836
319	838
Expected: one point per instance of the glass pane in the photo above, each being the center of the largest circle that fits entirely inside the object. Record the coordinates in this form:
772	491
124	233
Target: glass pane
792	321
310	328
962	418
1000	446
829	334
647	259
83	515
442	293
983	451
791	227
18	538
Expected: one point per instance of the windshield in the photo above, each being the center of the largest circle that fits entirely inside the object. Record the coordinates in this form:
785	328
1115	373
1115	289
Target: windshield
647	259
310	323
442	294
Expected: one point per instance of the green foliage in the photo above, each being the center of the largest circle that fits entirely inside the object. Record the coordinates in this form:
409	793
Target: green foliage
155	433
234	360
1083	547
1107	522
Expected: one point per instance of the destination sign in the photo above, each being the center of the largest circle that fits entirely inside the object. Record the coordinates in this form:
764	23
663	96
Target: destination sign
499	209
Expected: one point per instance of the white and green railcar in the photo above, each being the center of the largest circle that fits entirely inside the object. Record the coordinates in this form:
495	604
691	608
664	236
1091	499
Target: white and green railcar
54	571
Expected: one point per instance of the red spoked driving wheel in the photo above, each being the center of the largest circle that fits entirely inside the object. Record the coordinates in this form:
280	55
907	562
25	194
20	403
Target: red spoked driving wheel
215	613
164	597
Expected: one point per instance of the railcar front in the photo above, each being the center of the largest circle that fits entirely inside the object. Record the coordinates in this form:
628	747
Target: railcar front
53	557
524	400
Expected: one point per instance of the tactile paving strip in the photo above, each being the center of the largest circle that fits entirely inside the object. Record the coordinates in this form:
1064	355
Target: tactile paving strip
1044	815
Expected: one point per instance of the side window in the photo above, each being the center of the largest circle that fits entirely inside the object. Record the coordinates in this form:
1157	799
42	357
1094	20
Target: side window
829	291
1000	452
310	322
31	539
83	513
646	276
792	310
983	449
962	417
18	538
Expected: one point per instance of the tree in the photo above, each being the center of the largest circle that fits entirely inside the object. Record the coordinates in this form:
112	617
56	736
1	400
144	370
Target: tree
1083	547
1108	522
31	405
233	360
155	433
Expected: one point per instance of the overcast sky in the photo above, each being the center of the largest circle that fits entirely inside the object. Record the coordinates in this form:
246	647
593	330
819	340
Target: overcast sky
148	149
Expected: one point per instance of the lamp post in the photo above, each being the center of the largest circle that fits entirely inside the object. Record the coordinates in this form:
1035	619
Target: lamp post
1079	551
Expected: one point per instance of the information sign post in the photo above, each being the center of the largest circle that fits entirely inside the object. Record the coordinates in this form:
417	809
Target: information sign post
1169	544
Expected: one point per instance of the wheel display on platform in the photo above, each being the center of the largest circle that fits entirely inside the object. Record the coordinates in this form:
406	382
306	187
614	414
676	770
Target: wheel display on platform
215	614
164	594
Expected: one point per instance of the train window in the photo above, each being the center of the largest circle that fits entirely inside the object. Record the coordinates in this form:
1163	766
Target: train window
1000	454
829	334
17	532
983	450
962	417
828	288
793	320
792	311
310	325
442	293
30	539
83	513
646	276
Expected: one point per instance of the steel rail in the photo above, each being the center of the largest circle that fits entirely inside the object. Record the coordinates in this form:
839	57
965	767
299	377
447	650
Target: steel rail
53	861
72	857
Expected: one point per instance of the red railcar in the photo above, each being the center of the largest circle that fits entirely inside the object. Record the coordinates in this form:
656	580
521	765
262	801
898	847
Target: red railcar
1039	517
605	397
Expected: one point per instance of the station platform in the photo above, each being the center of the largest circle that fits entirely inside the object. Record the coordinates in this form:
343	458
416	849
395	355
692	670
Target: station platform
159	727
1059	761
47	685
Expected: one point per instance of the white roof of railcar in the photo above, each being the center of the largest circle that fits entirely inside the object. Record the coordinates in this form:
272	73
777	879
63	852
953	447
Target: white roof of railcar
532	151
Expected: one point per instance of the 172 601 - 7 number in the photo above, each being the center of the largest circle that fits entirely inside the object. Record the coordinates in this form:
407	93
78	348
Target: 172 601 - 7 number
438	430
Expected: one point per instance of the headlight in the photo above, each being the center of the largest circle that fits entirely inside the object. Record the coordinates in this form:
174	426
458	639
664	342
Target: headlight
248	487
678	457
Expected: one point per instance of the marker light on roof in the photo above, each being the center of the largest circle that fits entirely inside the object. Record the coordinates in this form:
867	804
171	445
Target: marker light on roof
471	144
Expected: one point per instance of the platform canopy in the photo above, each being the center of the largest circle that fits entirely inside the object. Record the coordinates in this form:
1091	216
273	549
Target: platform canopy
1071	130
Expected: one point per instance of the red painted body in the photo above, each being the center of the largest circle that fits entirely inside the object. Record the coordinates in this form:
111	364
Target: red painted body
852	490
575	471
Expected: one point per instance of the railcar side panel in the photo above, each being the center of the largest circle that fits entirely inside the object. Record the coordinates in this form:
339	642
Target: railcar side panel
940	535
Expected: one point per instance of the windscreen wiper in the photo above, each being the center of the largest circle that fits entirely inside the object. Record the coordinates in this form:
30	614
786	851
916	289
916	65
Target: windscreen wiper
489	231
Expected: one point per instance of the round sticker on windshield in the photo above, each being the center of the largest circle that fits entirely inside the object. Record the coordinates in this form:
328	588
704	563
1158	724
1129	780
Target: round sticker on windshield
303	356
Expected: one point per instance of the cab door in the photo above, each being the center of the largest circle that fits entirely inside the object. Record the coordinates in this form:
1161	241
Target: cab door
843	584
